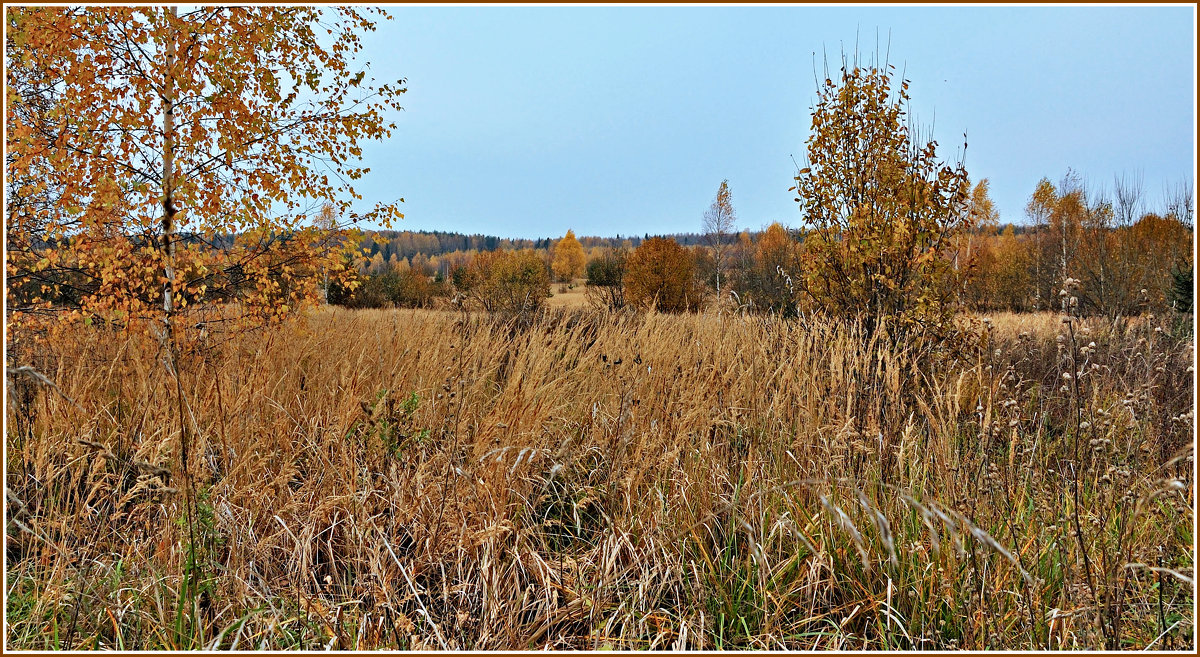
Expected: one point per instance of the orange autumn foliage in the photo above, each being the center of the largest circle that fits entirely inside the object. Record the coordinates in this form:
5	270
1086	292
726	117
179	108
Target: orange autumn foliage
159	160
660	274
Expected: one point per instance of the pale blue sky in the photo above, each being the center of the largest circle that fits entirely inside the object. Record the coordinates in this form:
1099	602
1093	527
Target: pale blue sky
527	121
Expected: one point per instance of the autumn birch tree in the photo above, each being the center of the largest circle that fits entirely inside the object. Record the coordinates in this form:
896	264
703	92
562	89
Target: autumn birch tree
1038	209
169	159
719	222
177	155
569	260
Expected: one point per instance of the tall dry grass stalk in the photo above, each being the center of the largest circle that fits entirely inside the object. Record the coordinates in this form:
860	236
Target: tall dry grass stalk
403	479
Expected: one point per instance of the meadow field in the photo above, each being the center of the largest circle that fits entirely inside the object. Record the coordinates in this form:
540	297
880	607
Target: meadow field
429	479
255	399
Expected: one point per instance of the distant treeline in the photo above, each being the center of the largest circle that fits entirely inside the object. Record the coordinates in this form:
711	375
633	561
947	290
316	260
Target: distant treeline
1118	256
438	251
429	243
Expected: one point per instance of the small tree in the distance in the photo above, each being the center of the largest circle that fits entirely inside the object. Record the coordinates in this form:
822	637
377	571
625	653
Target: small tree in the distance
514	282
606	279
768	283
569	259
720	220
660	273
1182	288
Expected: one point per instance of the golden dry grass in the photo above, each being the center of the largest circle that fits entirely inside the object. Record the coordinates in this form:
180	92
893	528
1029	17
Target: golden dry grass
565	296
401	479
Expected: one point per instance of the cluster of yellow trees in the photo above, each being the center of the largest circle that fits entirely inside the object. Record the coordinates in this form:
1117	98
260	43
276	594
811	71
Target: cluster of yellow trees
495	280
1127	259
1126	262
